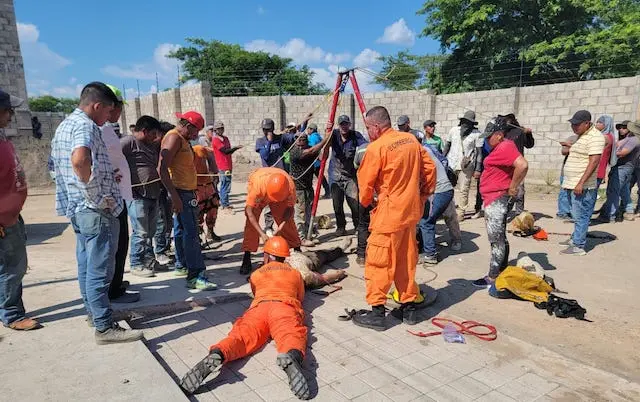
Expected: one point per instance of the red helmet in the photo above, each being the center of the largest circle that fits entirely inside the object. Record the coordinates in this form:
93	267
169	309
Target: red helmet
277	246
192	117
277	187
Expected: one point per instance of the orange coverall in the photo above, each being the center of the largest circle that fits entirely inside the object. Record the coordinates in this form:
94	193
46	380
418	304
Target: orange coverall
402	174
257	198
276	312
206	193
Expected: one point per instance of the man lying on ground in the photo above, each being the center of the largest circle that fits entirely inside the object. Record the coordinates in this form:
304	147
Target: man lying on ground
276	312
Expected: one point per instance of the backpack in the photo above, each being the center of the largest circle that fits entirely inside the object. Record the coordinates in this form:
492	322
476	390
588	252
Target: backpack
451	175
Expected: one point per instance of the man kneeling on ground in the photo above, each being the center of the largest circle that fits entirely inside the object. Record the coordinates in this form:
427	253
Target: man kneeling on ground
276	312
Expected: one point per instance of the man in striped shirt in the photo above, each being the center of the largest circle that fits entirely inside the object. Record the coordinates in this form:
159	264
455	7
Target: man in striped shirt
580	177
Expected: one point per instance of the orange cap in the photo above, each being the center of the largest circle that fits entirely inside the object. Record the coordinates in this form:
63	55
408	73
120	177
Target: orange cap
277	187
277	246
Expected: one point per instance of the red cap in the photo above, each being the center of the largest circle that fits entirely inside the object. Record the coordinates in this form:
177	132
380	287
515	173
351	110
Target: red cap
192	117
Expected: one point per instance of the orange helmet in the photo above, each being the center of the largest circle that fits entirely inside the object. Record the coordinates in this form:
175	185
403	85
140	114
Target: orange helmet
277	187
277	246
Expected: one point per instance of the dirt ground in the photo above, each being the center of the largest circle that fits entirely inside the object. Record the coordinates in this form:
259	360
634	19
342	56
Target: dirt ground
604	281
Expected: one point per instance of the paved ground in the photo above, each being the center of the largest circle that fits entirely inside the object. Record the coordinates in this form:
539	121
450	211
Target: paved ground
536	357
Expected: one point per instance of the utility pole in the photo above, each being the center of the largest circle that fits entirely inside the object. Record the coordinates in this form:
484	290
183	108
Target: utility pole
157	83
138	83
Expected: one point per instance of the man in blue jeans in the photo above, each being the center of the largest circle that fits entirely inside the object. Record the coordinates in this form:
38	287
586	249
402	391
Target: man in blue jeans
580	173
433	210
222	151
142	152
13	249
178	174
164	223
87	193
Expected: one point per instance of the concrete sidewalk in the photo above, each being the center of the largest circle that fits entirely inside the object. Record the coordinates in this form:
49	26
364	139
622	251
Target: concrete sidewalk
536	357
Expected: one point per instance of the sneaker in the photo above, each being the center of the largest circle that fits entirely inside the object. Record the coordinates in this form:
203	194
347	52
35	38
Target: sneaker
374	319
164	259
484	282
25	324
460	216
601	219
89	321
142	272
456	245
341	232
568	242
629	216
563	216
315	241
573	250
361	261
180	271
205	367
568	220
409	313
478	215
125	284
430	259
117	334
201	283
127	297
291	363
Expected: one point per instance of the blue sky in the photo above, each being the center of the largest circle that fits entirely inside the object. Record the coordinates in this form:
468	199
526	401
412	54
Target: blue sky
65	45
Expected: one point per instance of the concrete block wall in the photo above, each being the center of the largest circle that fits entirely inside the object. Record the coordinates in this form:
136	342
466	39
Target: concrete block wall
149	105
168	105
197	97
11	65
415	104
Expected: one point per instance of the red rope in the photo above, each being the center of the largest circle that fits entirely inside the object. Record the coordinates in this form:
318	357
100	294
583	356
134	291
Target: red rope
464	327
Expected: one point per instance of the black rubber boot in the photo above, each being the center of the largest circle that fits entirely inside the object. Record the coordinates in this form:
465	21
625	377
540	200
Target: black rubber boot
409	314
195	377
374	319
291	363
245	268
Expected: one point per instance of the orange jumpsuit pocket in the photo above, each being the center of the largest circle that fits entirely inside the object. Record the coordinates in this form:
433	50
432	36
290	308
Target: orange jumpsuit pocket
379	250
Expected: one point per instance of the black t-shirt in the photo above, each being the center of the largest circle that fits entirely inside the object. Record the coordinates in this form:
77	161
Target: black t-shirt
521	139
298	166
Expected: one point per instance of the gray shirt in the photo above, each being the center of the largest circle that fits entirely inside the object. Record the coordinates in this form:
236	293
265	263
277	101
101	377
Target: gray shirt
632	143
442	180
143	161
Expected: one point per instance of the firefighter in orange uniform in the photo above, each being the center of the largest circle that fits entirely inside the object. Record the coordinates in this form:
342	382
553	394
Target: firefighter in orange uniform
275	188
207	193
401	173
276	312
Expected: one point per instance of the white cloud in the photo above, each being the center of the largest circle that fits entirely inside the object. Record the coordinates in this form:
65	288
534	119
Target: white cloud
398	33
165	67
261	10
73	80
37	55
326	76
67	91
298	50
366	58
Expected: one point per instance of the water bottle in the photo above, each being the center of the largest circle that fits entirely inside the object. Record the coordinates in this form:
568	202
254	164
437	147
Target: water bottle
451	335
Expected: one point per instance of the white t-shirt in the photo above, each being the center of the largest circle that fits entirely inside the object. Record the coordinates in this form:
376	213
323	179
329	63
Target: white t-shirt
118	161
469	144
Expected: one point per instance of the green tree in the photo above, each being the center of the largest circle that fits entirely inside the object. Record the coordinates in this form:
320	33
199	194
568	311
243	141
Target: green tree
503	43
404	71
233	71
48	103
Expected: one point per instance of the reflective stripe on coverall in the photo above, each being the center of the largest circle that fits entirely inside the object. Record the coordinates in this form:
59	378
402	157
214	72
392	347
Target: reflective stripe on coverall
402	174
276	312
257	198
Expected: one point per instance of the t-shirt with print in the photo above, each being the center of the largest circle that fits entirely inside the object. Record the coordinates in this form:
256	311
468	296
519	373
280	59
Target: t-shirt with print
223	161
299	166
463	147
498	171
117	159
587	144
434	141
13	183
257	188
143	163
632	143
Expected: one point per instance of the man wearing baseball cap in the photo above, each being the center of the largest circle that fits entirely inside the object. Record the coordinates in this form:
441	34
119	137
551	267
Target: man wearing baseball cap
580	177
13	248
404	125
222	151
343	174
430	137
178	174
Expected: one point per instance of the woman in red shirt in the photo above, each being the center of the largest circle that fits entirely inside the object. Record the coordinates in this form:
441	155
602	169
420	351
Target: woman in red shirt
605	125
504	170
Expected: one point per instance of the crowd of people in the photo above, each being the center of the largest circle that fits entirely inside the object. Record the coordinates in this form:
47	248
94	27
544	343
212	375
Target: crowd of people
166	184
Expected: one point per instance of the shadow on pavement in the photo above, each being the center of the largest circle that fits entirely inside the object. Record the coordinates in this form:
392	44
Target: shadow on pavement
456	291
597	238
38	233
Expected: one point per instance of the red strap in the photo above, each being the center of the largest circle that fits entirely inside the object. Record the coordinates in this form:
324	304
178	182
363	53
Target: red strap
464	327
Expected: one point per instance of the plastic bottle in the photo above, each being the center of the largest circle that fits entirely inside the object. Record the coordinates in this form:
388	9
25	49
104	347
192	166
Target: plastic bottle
451	334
